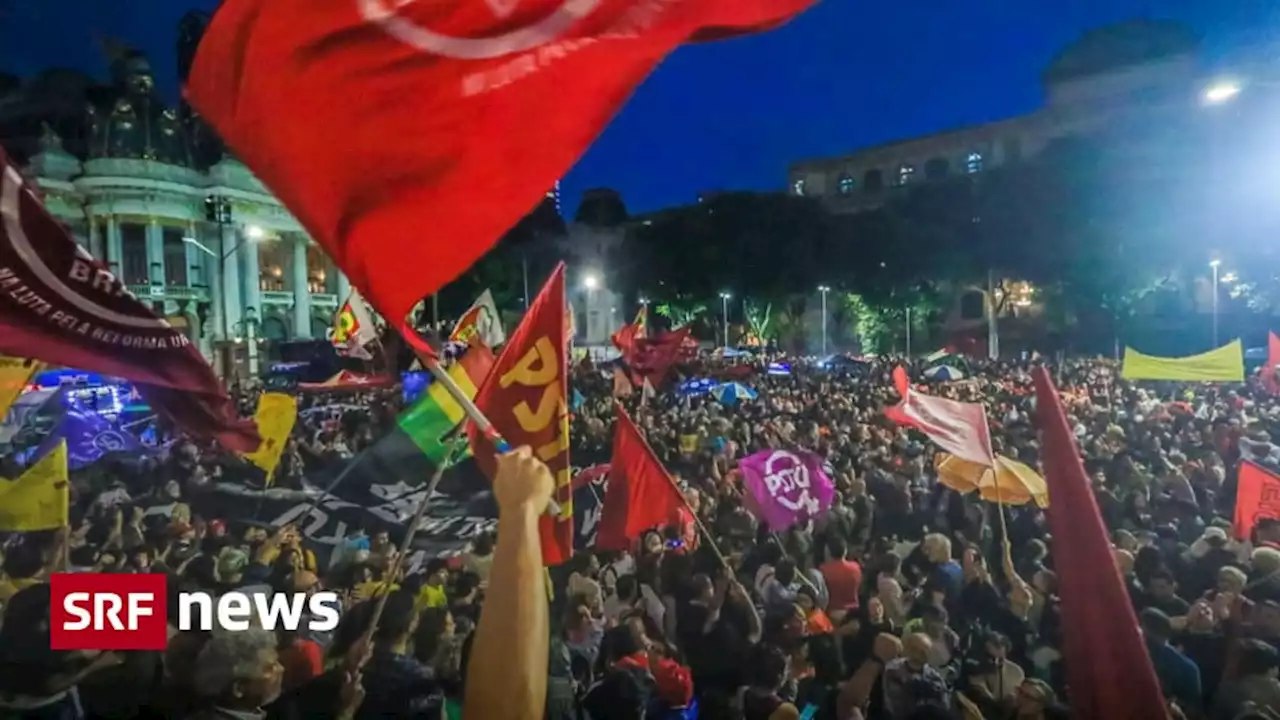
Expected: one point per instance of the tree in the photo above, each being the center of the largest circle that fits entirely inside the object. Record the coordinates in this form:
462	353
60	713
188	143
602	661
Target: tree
682	310
758	317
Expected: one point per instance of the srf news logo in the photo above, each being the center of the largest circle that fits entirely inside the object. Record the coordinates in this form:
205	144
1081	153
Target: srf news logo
92	611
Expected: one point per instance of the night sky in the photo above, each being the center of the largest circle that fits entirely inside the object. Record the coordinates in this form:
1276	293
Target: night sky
733	115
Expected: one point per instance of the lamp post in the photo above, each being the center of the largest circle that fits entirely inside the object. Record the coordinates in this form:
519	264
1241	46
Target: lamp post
724	306
1214	265
590	283
248	327
824	290
218	211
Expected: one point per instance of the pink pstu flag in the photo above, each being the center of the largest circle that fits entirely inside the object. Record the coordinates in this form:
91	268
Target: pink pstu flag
957	427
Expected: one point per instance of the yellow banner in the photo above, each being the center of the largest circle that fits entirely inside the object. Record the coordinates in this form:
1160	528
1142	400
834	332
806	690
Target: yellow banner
38	499
275	417
1226	364
15	375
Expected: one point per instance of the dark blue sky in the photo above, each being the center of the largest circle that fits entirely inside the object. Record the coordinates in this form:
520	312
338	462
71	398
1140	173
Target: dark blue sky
734	114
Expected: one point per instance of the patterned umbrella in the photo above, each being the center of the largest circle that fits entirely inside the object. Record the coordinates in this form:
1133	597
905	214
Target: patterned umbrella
944	373
731	393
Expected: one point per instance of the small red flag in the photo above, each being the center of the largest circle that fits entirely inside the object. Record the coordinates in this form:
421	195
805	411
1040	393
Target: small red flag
654	357
525	399
414	134
60	305
1108	669
1268	373
641	495
1257	498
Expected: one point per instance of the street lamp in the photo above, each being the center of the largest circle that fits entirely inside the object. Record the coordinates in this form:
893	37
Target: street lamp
590	282
1221	92
824	290
254	232
1214	264
724	303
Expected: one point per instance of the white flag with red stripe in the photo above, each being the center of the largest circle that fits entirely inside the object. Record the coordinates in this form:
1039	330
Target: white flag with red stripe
957	427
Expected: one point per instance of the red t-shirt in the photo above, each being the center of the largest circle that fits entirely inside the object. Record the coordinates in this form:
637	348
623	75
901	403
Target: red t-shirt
844	582
302	661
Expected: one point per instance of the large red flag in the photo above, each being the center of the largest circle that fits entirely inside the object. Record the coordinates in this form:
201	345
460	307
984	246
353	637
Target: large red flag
1109	672
525	397
59	305
413	134
652	358
640	495
1257	498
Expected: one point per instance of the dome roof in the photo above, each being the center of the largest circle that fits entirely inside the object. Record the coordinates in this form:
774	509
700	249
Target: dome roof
133	121
1112	47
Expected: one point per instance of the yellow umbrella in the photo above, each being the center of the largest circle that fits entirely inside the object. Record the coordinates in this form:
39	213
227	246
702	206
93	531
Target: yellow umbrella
1009	482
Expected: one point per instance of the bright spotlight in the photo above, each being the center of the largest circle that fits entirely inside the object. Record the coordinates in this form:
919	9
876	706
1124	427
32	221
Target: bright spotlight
1221	92
253	232
591	282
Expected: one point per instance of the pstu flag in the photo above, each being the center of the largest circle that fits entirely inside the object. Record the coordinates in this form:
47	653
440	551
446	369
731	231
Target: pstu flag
275	418
784	488
474	93
38	499
59	305
480	323
353	328
526	398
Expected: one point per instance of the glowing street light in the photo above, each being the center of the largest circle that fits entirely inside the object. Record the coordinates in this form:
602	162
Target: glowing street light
1214	264
1221	92
590	282
824	290
724	303
253	232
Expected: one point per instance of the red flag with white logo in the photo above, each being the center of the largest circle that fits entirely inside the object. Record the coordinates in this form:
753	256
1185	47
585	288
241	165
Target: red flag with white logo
60	305
412	135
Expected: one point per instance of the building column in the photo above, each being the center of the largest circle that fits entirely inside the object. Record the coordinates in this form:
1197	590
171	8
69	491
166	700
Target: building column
96	240
252	289
301	293
115	250
155	252
194	258
344	286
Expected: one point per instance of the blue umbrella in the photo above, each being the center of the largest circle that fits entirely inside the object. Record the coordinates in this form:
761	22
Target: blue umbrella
731	393
944	373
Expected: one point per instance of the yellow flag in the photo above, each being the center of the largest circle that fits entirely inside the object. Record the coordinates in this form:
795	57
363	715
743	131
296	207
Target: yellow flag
15	375
38	499
276	415
1226	364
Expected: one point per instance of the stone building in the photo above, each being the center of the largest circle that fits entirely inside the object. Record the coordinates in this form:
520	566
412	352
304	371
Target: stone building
144	186
1114	76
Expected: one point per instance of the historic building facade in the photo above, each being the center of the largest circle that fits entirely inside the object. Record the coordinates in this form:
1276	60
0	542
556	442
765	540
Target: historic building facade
1114	76
184	226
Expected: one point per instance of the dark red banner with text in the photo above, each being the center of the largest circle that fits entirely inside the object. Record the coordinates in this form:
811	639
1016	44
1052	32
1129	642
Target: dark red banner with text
60	305
383	124
526	399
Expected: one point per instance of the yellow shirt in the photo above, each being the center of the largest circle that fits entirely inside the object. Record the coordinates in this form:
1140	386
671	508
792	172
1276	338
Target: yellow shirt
430	597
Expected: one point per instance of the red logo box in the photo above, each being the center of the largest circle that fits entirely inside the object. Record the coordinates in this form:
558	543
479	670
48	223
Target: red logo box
93	611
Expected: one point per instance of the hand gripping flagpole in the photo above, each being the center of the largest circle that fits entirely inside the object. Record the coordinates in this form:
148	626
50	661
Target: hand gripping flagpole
431	362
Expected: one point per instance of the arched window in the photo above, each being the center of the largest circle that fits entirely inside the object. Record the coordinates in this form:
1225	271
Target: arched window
845	185
797	187
973	164
905	172
873	180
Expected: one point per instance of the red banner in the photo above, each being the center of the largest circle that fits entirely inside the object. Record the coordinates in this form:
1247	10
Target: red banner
60	305
526	399
365	117
1257	498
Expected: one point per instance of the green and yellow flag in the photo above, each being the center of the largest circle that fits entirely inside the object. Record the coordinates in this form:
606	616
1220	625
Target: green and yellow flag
38	499
436	413
275	417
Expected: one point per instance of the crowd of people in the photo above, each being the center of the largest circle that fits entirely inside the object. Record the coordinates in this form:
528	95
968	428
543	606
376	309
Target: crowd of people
905	600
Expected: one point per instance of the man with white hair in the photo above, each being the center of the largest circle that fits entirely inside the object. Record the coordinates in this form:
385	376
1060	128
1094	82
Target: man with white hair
237	674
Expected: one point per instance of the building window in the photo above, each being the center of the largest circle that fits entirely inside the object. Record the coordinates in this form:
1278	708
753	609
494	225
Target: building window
797	187
319	275
272	260
175	256
973	164
133	254
845	185
905	171
873	181
936	168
